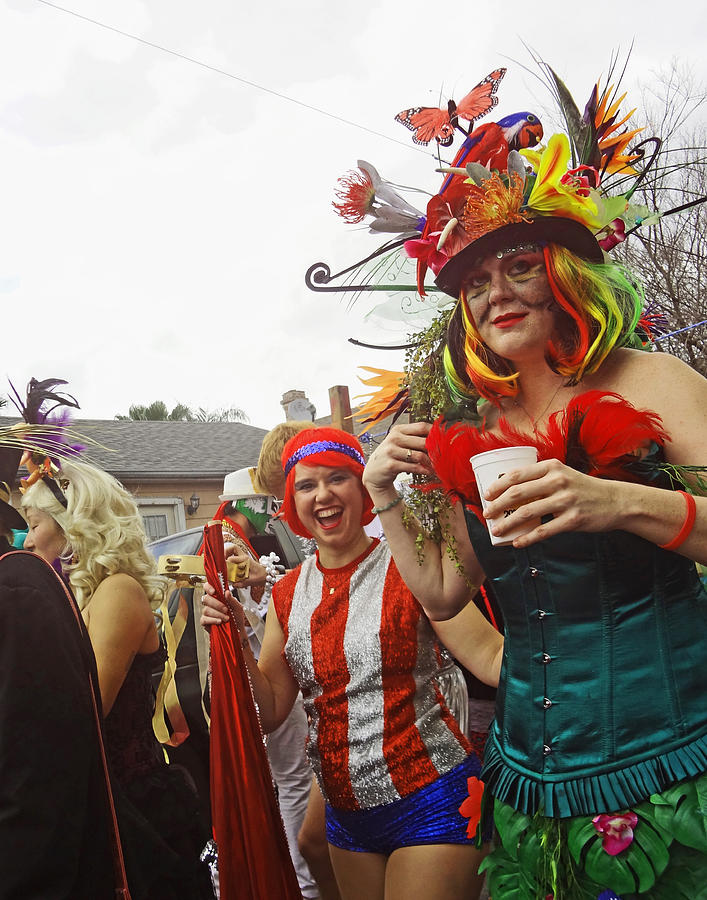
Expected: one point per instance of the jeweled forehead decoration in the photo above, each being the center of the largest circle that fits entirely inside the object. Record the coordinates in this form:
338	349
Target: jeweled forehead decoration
321	447
521	248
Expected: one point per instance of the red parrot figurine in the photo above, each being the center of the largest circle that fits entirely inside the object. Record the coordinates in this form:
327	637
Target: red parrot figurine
488	145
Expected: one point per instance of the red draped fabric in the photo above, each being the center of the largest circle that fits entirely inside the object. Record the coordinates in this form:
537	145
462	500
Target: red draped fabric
254	861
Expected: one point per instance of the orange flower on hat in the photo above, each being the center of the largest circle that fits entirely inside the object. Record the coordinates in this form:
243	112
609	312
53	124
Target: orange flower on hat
612	144
492	204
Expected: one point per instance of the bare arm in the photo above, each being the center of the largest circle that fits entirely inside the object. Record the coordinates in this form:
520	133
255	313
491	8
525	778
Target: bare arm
580	502
440	585
120	622
274	686
473	640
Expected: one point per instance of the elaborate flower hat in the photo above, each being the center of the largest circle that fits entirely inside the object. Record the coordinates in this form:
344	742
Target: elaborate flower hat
558	193
321	447
503	188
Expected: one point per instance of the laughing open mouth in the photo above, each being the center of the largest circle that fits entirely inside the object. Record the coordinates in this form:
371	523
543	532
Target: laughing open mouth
330	517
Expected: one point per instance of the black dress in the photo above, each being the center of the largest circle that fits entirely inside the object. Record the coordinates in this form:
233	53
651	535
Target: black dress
157	805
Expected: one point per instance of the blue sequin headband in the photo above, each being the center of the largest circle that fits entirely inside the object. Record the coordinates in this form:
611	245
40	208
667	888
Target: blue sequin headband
320	447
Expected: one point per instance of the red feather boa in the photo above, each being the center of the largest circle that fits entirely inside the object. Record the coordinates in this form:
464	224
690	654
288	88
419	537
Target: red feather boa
597	433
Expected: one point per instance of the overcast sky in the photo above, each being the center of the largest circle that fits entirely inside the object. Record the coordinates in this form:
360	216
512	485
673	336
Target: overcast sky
157	217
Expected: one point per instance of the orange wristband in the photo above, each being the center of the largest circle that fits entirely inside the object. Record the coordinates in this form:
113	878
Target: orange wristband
686	526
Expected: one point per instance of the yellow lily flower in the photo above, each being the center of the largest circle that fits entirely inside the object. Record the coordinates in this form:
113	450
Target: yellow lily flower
534	155
550	196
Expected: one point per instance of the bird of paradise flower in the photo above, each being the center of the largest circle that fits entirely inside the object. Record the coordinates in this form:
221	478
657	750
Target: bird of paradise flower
389	396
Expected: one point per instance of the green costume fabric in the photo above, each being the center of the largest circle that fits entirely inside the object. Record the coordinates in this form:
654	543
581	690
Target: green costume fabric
600	709
666	859
601	701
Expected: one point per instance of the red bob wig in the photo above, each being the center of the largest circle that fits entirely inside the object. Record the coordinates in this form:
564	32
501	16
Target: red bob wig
321	447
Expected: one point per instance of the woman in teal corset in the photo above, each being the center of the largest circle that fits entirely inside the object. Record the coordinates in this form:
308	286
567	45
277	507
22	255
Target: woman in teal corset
597	757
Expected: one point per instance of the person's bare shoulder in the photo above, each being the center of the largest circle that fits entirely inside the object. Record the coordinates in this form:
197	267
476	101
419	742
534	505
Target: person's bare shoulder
645	378
666	385
120	594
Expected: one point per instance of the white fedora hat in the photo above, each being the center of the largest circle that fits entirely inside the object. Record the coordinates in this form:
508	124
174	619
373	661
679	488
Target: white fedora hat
239	484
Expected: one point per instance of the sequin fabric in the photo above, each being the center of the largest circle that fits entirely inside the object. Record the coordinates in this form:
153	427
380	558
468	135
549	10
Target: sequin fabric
428	816
366	659
321	447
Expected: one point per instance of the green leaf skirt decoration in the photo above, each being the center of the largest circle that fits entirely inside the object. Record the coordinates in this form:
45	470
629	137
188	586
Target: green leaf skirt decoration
537	857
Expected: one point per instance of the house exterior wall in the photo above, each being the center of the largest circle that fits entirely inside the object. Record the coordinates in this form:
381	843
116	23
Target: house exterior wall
175	497
148	492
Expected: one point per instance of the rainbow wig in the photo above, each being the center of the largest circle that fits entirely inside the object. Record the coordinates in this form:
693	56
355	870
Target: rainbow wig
321	447
601	303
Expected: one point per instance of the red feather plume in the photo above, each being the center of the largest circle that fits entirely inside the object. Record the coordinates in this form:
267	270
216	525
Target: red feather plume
598	433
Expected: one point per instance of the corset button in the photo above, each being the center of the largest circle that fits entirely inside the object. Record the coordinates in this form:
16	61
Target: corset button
534	572
546	658
547	703
547	749
541	613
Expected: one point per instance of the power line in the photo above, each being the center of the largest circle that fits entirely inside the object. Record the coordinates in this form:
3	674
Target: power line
218	71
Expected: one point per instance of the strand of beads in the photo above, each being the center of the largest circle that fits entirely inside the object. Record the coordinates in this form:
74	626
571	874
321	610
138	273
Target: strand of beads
273	571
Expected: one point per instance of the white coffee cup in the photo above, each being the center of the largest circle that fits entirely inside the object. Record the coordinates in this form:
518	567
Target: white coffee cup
489	467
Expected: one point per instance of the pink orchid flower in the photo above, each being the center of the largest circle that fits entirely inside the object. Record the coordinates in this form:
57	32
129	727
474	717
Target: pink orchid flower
616	234
426	250
617	830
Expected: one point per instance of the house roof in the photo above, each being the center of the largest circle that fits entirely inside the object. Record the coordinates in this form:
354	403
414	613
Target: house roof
166	450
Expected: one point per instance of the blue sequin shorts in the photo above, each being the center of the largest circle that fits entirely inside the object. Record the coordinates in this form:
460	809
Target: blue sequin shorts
429	815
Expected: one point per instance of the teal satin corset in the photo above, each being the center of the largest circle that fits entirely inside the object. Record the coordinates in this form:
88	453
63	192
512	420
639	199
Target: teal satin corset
601	701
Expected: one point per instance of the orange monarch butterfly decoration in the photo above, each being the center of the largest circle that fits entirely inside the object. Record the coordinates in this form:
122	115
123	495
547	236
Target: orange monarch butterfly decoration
429	123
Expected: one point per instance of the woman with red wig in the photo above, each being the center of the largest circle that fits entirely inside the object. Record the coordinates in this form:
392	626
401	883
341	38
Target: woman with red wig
391	761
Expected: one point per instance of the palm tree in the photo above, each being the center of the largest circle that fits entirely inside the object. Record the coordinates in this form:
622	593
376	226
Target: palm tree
232	414
157	412
160	412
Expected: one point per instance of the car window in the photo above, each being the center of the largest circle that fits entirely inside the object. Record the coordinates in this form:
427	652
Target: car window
186	543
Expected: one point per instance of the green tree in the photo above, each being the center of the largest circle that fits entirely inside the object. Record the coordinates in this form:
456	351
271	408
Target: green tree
231	414
671	257
160	412
157	412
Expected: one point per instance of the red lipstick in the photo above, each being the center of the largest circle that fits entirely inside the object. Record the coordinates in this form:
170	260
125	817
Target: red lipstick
508	319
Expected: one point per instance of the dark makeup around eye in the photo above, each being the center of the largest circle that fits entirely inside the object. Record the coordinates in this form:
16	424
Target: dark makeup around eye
520	269
522	265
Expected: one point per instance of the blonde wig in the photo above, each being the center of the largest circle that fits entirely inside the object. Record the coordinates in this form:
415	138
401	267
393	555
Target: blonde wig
269	474
103	529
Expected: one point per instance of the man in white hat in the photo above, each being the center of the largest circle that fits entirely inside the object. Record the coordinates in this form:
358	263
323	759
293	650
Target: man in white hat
245	512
